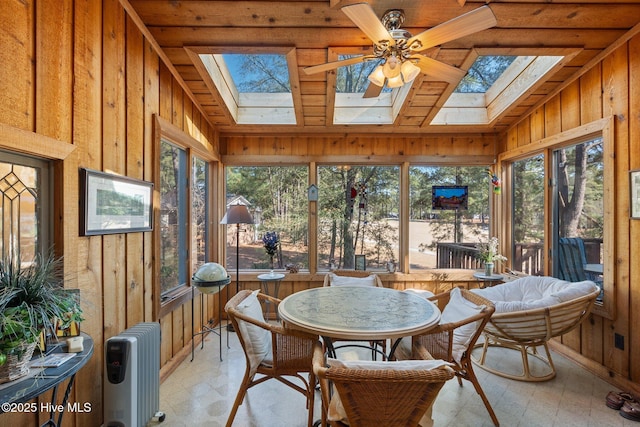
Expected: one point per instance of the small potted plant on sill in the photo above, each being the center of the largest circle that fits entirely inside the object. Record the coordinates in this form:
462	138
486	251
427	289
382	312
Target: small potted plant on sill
31	299
489	253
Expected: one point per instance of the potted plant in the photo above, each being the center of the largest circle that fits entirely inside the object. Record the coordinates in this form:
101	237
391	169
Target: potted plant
31	299
489	253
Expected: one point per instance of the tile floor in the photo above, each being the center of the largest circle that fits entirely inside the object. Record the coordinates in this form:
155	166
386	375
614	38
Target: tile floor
201	393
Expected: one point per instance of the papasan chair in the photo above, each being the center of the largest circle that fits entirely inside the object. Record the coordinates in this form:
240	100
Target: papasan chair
529	312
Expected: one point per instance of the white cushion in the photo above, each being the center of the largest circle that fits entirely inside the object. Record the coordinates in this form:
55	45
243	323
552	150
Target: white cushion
336	410
336	280
458	308
533	292
257	340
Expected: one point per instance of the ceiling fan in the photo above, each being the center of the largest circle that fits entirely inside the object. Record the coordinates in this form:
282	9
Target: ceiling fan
398	48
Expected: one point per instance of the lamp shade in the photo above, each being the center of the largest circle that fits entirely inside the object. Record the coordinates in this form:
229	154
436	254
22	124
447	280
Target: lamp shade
237	214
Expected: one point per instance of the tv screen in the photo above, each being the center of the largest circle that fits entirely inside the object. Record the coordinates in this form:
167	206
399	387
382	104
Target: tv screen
449	197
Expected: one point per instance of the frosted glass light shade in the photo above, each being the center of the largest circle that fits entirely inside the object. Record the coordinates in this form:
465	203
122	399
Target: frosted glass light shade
377	76
409	71
395	82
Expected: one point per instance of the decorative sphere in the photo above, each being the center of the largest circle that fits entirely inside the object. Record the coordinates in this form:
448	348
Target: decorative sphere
211	277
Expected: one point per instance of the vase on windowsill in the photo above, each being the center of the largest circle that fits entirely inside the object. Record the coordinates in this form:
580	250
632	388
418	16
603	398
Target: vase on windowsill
271	265
488	269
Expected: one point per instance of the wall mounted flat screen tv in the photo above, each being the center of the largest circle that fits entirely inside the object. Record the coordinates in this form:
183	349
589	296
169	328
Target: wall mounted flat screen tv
449	197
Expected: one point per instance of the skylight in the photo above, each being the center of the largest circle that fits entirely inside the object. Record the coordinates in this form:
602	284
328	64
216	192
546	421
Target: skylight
256	88
483	73
351	108
495	83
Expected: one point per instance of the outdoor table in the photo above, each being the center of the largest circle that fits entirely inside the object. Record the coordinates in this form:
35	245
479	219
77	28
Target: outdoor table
265	280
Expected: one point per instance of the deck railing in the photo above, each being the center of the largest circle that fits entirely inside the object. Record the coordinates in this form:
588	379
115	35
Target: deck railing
528	258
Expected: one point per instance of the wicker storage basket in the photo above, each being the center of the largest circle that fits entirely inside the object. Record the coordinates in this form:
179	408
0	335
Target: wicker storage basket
17	365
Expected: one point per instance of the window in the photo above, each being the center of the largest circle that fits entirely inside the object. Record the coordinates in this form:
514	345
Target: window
199	213
579	212
358	215
443	238
277	200
182	234
528	215
24	188
173	220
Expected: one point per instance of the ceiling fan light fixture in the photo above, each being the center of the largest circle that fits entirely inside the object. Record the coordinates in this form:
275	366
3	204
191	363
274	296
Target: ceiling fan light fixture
377	76
409	71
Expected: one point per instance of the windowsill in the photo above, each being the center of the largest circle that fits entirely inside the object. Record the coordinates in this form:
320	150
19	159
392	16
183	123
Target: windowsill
174	299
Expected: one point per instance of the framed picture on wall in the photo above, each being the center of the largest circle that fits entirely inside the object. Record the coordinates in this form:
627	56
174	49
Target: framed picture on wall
361	262
114	204
634	185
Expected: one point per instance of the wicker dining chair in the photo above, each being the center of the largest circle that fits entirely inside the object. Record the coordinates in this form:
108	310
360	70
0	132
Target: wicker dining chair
271	350
356	278
454	341
378	395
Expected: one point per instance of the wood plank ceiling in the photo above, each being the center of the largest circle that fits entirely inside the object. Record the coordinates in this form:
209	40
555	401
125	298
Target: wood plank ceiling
314	27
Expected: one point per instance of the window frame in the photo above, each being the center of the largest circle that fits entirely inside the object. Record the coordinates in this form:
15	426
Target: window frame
58	152
164	130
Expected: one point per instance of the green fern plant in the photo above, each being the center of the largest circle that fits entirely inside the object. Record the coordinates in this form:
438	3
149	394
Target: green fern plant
31	297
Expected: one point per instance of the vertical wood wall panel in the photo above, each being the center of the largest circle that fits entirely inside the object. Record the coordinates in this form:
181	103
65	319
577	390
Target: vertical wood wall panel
633	337
54	66
17	58
134	167
615	102
87	135
151	107
113	159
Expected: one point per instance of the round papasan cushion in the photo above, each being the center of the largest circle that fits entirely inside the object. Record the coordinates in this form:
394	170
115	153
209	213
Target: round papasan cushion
532	292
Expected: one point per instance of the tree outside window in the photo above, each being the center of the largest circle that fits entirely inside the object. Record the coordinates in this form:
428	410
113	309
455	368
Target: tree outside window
277	199
358	215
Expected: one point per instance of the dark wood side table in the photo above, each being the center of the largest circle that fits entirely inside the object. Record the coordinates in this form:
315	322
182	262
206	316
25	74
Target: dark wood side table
14	395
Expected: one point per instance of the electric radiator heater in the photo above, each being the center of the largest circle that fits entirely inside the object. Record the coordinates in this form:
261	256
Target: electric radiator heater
132	387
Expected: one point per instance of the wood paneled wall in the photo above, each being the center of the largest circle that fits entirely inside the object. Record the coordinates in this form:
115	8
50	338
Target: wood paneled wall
609	89
82	73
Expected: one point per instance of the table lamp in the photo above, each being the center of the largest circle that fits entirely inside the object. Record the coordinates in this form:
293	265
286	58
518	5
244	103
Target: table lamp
236	214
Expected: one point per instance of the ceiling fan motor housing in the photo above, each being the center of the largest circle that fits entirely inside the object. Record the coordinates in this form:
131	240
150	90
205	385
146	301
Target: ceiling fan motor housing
392	21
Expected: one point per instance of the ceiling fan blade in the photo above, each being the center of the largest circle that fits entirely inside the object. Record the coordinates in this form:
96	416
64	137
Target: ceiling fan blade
439	70
373	91
464	25
366	19
335	64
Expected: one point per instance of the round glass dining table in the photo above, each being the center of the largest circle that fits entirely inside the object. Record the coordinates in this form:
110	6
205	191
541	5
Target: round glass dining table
358	313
